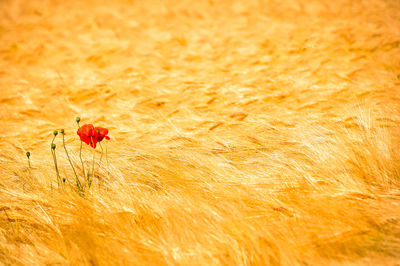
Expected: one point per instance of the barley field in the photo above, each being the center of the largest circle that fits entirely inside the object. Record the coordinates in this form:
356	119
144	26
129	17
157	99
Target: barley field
243	132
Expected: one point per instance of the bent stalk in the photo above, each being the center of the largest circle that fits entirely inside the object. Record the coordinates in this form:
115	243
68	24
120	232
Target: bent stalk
94	154
102	151
80	149
78	183
53	152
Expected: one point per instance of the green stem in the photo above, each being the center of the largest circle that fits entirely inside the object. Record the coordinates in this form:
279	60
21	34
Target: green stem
29	168
56	166
108	171
80	152
78	183
101	156
102	151
94	153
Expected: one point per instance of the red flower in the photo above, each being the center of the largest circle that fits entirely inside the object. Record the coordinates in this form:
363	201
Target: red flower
87	134
101	133
91	135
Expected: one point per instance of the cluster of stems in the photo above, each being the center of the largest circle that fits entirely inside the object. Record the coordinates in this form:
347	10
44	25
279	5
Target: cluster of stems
87	176
78	183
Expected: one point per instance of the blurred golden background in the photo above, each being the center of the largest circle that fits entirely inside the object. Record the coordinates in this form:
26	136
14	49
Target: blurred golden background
242	132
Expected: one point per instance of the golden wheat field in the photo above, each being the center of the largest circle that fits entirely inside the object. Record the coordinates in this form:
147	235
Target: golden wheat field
243	132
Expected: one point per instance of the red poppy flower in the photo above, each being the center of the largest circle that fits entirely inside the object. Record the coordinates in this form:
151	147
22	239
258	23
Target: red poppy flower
101	133
88	134
92	135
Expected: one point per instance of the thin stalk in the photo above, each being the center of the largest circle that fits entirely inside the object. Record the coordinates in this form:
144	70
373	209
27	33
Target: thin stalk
91	180
80	152
78	183
56	166
55	160
28	155
94	153
102	151
101	156
108	171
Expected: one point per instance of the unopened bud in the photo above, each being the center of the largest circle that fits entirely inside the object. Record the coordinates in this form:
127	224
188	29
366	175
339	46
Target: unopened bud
55	132
64	180
28	154
62	131
78	119
53	146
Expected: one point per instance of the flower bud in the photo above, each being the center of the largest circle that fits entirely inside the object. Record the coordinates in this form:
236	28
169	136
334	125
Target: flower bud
55	132
28	154
53	146
64	180
62	131
78	119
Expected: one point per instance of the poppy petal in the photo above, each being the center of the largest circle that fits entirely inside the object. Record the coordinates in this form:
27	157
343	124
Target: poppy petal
86	134
101	133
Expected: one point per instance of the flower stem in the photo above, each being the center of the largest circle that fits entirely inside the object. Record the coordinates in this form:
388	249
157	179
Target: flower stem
108	171
102	151
80	152
28	155
78	183
94	153
55	160
101	156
